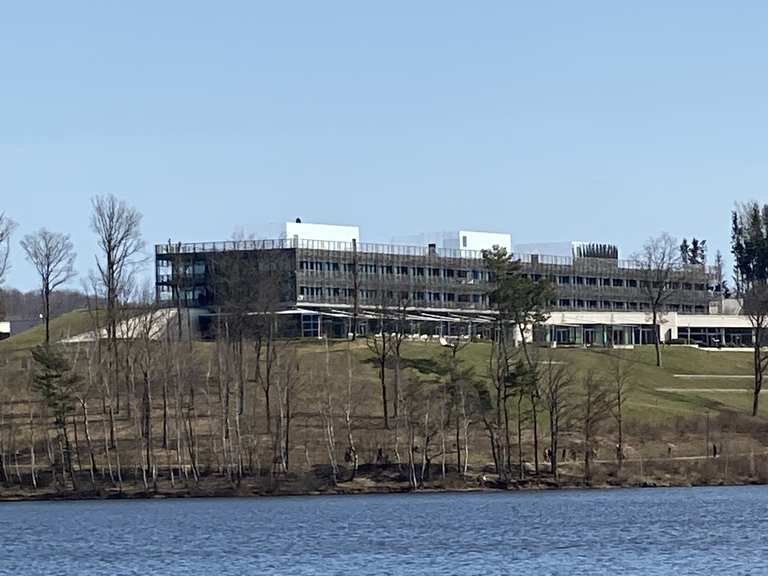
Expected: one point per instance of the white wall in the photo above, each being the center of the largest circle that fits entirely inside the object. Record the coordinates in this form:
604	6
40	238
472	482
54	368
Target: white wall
471	240
325	232
562	249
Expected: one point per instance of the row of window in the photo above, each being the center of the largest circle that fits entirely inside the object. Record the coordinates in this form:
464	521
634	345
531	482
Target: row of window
391	270
618	305
620	282
373	295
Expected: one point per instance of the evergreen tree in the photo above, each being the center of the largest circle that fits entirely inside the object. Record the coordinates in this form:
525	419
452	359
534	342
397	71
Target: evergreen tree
56	382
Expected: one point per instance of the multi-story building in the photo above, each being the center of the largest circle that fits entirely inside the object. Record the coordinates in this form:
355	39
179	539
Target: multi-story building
322	277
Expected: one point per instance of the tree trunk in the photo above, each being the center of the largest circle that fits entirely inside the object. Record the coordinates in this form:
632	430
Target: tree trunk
382	380
657	337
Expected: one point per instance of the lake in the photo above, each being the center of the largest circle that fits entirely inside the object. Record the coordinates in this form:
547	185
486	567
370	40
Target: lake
634	531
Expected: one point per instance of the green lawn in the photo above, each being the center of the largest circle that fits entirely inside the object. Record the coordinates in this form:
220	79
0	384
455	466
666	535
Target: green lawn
64	326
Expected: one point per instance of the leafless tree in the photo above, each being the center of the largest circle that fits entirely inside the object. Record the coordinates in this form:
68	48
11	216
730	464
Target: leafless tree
657	262
596	406
749	246
351	448
381	345
7	226
53	256
621	379
557	380
118	234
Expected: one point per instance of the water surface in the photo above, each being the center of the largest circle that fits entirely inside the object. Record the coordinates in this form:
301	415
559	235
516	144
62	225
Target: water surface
651	531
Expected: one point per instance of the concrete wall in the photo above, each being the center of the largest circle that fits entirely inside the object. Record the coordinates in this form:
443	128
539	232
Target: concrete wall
325	232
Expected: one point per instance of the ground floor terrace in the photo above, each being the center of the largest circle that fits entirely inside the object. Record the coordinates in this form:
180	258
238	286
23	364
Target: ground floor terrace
561	328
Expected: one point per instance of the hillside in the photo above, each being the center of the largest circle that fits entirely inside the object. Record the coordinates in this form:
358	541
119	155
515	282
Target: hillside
210	431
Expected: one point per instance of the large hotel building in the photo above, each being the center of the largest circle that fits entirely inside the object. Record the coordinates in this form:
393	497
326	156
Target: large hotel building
322	277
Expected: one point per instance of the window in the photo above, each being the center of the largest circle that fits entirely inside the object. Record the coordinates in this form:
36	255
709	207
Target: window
619	305
310	325
449	273
618	283
591	304
591	281
418	271
463	241
563	280
476	298
605	281
418	296
564	303
632	283
449	297
402	270
579	280
434	272
606	305
463	298
434	296
462	273
311	291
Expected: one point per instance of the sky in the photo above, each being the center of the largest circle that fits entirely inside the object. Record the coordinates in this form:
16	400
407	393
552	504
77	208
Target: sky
596	121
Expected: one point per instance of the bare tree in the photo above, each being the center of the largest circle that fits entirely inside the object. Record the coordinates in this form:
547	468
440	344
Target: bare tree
557	380
749	245
621	378
118	234
657	261
7	226
53	256
381	345
596	406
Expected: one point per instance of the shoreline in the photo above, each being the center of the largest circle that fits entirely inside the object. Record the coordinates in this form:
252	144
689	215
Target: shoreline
196	492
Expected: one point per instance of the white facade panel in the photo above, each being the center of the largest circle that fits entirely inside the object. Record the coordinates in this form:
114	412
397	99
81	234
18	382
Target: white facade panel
471	240
323	232
561	249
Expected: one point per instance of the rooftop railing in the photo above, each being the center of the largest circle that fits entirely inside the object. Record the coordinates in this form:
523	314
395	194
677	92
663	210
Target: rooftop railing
394	250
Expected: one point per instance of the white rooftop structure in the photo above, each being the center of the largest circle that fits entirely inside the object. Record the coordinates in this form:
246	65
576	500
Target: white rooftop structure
477	241
324	232
562	249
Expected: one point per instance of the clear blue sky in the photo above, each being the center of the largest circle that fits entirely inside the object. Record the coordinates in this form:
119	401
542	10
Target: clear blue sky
606	121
